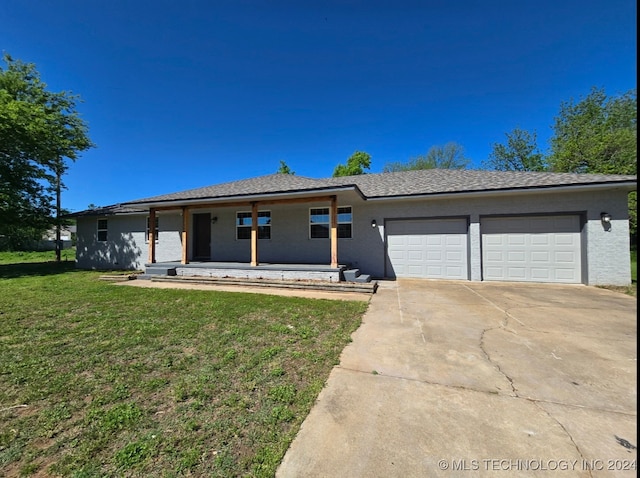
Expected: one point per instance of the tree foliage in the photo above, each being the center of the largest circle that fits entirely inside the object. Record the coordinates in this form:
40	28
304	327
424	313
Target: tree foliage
284	169
449	156
596	135
520	153
39	130
356	164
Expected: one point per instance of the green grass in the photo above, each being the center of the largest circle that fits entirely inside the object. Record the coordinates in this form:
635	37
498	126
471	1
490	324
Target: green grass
35	256
104	380
634	266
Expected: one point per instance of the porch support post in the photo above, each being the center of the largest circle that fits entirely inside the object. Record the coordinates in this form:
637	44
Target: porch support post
334	231
152	236
185	236
254	234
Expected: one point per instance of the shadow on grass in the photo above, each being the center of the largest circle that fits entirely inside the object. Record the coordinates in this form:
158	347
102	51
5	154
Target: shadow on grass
25	269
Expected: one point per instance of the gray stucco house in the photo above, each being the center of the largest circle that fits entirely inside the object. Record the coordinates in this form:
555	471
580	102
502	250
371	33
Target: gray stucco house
438	224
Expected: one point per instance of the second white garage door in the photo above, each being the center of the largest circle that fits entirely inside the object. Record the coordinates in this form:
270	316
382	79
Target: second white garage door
427	248
531	249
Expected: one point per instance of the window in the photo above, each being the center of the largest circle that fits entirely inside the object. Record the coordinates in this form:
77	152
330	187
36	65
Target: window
243	225
156	230
345	219
102	230
320	223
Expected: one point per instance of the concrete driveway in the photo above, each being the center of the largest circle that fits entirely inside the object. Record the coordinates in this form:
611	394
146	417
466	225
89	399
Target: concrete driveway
479	379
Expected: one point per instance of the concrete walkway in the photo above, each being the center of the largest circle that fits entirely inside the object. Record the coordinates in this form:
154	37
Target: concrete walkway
479	379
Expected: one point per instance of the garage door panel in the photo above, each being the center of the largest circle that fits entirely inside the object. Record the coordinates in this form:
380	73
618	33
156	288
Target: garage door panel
454	256
566	257
537	249
564	240
516	256
433	248
515	240
540	274
516	272
540	239
540	256
414	256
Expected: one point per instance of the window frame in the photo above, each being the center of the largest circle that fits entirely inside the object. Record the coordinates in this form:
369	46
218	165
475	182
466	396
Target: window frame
102	230
156	232
264	230
328	222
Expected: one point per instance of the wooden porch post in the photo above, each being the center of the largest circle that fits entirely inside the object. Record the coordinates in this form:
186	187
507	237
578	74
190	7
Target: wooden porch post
185	236
254	234
152	236
334	231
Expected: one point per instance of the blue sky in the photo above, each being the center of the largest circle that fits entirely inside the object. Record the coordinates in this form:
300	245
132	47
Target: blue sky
184	94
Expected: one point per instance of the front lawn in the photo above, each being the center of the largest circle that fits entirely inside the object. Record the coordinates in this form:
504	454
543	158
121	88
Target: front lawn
98	379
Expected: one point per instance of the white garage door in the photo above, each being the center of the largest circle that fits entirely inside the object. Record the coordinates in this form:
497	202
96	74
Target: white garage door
531	249
427	248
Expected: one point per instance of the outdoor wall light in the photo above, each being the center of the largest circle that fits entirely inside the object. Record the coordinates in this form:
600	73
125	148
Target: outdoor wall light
605	217
374	223
214	219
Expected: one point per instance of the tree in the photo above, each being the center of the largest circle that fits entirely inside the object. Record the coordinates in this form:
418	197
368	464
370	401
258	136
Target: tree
356	164
39	131
598	134
449	156
284	169
520	153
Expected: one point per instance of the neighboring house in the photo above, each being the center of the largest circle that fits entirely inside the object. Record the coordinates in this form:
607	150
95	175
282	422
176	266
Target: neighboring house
48	241
438	224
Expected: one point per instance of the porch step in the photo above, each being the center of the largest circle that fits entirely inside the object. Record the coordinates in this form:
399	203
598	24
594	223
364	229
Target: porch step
354	275
368	288
152	270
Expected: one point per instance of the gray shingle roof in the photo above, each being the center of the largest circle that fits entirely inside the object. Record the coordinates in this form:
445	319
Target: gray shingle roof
107	211
406	183
270	184
440	181
382	185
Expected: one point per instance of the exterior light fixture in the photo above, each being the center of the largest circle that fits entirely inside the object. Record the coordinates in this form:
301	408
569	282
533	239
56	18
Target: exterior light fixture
605	218
374	223
214	219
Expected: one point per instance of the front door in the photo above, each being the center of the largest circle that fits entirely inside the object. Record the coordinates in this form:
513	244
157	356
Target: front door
202	237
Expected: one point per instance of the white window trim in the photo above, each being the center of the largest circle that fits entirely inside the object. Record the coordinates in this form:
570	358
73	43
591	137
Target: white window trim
267	211
156	231
101	229
329	222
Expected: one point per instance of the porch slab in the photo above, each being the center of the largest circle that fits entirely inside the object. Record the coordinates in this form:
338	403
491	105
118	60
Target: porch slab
314	285
239	270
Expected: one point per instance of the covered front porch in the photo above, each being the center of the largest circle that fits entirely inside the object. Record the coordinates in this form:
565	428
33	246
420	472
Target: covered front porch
196	261
190	235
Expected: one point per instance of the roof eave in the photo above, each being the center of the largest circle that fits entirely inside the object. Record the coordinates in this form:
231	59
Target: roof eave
245	197
625	185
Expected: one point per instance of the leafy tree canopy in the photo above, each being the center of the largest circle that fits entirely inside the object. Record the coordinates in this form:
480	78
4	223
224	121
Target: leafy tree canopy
520	153
597	134
38	130
356	164
449	156
284	169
